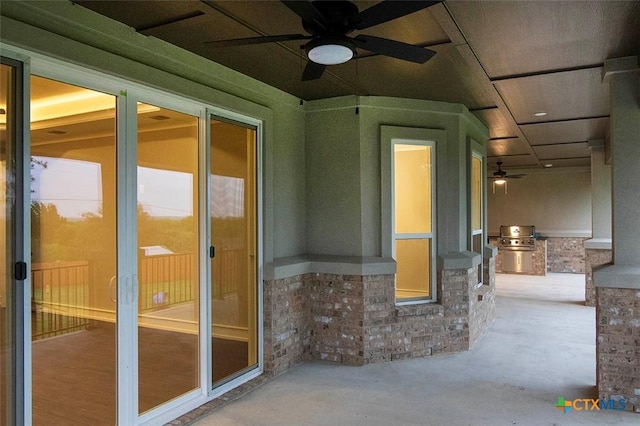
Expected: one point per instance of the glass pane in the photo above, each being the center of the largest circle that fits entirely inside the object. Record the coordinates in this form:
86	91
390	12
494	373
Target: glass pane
7	206
233	234
168	299
476	193
73	240
412	186
413	278
477	242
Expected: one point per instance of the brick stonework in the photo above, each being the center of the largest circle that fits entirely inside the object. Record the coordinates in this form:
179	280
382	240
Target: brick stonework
354	320
482	310
540	266
594	257
566	254
336	304
287	339
618	345
493	241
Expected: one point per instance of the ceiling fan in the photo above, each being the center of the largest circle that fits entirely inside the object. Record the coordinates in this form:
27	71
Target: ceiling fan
502	175
329	22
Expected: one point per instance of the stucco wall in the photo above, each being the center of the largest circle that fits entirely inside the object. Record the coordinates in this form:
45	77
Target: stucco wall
556	202
333	181
76	35
343	158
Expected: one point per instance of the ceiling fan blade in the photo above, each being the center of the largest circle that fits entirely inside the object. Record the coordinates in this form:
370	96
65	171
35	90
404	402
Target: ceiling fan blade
307	11
507	177
256	40
395	49
312	71
387	11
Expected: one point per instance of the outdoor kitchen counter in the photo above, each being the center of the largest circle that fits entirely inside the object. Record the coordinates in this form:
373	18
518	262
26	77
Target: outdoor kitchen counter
539	257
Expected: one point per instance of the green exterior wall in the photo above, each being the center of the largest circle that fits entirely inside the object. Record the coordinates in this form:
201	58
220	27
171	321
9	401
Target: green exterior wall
344	188
76	35
322	170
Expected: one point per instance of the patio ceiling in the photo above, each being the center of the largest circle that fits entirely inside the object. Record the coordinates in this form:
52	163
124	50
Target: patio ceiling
504	60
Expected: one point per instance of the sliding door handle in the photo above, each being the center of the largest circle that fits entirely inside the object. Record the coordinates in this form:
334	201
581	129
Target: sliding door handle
20	271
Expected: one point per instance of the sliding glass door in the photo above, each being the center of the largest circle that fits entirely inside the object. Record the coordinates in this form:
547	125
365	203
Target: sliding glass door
233	221
113	319
73	262
168	271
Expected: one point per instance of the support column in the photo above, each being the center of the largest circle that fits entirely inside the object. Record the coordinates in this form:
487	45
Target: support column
598	248
618	285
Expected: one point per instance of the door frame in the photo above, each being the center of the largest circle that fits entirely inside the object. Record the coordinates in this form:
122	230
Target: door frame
127	94
19	376
181	105
214	113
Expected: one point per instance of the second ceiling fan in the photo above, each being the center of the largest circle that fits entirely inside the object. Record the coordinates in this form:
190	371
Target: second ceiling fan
500	177
329	22
502	174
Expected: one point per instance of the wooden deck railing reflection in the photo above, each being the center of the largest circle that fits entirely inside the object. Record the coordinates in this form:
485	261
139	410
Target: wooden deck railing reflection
57	289
61	290
165	280
227	272
170	279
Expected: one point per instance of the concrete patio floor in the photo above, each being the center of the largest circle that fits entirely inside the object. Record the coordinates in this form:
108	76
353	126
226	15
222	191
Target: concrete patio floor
541	347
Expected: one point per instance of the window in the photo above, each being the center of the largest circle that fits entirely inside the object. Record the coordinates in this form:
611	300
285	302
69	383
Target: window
477	210
408	203
413	212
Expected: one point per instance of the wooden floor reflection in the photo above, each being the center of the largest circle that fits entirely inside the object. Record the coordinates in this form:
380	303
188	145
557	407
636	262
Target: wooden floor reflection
74	375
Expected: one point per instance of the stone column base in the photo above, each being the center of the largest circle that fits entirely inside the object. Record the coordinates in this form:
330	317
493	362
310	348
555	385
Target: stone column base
594	258
618	335
597	252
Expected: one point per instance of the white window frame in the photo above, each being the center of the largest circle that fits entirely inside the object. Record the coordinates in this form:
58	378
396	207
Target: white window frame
478	152
390	136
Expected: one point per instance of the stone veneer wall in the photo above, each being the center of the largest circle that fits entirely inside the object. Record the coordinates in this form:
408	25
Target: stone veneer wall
482	302
493	242
540	266
594	257
618	345
337	310
353	319
566	254
287	338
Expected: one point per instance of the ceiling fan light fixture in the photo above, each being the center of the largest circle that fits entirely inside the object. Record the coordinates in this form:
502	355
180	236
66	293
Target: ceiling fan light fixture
330	51
500	181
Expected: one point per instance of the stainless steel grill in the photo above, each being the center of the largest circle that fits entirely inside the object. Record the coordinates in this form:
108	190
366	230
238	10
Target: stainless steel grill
517	237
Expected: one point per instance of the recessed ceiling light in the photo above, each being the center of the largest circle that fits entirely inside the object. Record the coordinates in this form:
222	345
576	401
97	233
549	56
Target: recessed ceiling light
540	114
548	165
